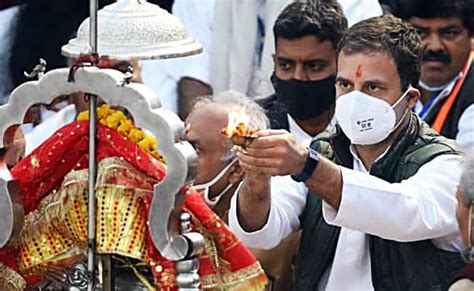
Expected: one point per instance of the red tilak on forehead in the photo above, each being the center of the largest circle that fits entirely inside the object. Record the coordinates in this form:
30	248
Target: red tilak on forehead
359	71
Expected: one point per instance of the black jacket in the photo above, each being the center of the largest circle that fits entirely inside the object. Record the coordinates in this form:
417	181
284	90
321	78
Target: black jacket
464	99
276	112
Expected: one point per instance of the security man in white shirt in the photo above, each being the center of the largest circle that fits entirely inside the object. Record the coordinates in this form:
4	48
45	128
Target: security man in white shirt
376	201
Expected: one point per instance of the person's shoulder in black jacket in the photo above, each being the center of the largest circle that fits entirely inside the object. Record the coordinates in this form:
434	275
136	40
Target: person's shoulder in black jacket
276	112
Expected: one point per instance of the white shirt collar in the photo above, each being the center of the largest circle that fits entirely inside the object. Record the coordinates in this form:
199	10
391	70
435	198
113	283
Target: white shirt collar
358	164
449	87
301	135
297	131
442	95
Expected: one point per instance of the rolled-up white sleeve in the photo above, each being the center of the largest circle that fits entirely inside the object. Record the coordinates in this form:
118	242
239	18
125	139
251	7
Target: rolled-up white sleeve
420	207
288	199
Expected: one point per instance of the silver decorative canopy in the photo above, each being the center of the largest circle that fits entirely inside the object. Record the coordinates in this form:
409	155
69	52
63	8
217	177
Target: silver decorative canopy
135	29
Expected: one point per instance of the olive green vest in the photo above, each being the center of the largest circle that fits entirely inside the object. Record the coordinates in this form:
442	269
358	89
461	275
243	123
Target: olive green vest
412	266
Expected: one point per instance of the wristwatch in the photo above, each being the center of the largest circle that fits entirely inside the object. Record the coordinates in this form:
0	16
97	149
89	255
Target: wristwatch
309	166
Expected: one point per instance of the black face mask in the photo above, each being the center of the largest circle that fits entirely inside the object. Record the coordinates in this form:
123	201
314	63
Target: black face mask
305	99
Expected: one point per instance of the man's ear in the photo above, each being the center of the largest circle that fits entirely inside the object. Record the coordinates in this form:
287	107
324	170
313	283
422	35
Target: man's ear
236	174
413	97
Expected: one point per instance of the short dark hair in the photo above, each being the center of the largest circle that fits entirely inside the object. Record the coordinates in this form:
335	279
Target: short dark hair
391	35
464	9
321	18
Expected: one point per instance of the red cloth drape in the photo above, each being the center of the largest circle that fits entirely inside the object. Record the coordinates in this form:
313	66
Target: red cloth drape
44	169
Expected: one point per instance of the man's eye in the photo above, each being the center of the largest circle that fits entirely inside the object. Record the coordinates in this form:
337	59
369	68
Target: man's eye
450	34
422	34
284	66
342	84
316	66
373	88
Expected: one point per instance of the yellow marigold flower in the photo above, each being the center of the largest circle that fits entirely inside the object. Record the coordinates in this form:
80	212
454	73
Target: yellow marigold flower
112	121
119	115
136	135
116	119
84	115
125	127
103	111
147	144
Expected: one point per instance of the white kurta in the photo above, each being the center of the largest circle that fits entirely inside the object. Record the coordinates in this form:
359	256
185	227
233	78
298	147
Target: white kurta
163	75
421	207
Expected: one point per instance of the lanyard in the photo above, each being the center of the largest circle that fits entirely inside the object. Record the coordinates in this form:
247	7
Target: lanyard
427	106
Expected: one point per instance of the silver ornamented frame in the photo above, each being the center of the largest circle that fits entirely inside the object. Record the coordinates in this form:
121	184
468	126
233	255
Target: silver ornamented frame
111	86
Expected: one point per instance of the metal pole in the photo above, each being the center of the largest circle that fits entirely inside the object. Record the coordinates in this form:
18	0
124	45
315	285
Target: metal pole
91	200
93	7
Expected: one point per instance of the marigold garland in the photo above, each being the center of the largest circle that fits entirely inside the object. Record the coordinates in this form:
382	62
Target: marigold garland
115	119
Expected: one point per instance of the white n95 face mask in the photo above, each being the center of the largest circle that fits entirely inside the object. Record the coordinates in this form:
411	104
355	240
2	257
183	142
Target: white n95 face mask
366	120
206	186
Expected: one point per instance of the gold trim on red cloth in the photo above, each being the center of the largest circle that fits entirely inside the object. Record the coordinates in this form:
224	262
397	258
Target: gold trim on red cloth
225	263
121	216
11	280
48	236
247	278
250	278
55	232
